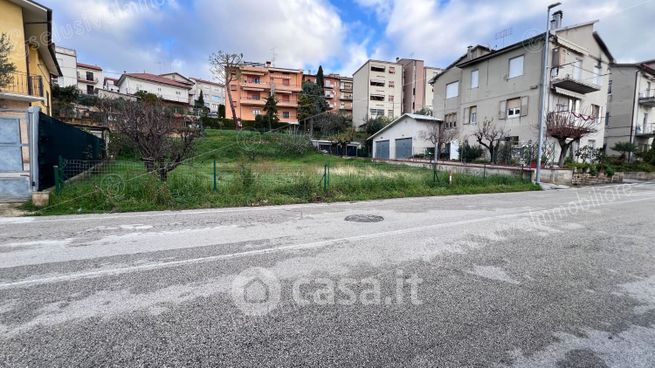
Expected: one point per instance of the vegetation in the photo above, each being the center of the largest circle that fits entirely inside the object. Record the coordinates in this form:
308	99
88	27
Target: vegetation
270	108
6	67
225	67
490	137
286	170
311	104
470	153
626	149
567	128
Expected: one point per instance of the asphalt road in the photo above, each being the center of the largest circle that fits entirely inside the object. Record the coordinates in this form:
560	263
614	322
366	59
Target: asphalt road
543	279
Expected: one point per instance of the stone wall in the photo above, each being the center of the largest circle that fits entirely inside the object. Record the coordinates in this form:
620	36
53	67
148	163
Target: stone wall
588	179
639	175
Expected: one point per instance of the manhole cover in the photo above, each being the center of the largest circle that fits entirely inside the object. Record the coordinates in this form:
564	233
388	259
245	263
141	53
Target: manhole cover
364	218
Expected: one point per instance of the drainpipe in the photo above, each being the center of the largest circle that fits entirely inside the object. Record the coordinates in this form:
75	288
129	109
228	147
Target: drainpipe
635	108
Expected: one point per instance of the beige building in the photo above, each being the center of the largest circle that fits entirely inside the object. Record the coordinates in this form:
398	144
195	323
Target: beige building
504	85
377	91
212	93
430	73
89	78
630	114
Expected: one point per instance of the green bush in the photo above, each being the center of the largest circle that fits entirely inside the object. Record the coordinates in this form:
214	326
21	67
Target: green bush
471	153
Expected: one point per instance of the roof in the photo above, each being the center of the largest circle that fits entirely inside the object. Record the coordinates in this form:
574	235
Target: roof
375	61
416	117
37	21
89	66
186	80
200	80
643	66
155	79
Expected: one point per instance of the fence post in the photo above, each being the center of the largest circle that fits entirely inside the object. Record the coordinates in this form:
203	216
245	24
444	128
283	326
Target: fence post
485	172
325	173
215	176
328	176
57	179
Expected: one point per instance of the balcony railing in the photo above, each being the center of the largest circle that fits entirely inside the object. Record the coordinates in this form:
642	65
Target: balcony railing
575	78
647	98
645	129
23	84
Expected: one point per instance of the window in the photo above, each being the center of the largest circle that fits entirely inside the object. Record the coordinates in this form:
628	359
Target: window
377	98
595	112
286	114
253	96
285	82
89	76
377	112
452	89
391	114
392	84
256	112
450	120
377	68
577	69
513	140
475	78
597	73
392	70
515	67
233	87
391	98
591	143
89	90
473	115
284	98
513	108
377	84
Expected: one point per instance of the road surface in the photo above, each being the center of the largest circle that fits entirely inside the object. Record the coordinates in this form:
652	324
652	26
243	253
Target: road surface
560	278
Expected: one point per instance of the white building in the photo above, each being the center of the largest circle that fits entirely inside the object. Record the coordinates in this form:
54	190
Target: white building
110	84
377	91
67	60
213	93
167	89
89	78
405	137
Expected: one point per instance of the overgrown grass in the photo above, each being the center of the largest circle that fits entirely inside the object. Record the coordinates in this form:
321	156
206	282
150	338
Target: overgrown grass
276	175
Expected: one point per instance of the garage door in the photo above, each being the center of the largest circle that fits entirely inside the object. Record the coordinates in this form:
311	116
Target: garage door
13	185
403	148
382	150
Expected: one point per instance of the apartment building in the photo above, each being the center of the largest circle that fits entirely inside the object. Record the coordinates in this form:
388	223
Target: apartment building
213	93
89	78
172	91
110	84
504	85
256	82
631	98
430	73
67	60
377	91
338	92
25	94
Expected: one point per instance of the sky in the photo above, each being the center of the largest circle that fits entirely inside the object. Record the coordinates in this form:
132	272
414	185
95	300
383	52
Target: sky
160	36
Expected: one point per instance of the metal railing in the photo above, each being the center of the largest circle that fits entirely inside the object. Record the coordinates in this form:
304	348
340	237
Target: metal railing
576	73
649	93
645	129
23	84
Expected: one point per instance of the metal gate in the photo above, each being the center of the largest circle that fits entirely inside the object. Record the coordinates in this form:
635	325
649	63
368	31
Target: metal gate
14	184
382	150
403	148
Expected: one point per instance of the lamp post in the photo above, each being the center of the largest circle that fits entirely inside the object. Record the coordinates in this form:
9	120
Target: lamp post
544	92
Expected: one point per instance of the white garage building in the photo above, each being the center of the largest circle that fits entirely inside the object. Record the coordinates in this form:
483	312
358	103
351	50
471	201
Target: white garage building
404	137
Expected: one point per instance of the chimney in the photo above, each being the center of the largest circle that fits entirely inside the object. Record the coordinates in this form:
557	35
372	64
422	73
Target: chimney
268	64
556	21
469	52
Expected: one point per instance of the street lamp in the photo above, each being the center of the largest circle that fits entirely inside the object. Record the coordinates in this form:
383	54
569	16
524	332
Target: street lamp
544	91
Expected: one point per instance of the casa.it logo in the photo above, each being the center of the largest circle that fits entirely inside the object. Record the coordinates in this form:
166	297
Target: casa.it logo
256	291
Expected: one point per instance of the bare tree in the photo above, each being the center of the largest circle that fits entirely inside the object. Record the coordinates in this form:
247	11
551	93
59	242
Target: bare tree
438	134
567	128
225	68
162	139
489	136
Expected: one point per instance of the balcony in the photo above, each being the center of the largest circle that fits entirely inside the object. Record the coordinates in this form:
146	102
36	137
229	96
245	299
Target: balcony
252	102
86	80
22	87
346	97
287	103
288	87
645	130
575	79
647	98
254	85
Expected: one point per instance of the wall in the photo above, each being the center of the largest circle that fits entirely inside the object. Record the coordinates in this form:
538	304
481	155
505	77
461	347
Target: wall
97	82
131	86
38	68
68	63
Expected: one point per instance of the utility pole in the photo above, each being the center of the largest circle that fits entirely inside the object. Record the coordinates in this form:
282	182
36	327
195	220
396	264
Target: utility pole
544	92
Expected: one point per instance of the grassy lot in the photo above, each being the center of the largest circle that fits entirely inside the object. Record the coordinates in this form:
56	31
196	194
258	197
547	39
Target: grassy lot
255	170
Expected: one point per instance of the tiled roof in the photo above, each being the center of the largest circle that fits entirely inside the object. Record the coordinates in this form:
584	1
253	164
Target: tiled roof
157	79
205	81
89	66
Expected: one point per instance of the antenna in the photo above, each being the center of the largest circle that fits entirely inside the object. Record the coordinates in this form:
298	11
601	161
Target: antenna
502	36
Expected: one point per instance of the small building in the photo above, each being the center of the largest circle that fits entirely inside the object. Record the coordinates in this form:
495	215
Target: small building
213	93
405	137
89	78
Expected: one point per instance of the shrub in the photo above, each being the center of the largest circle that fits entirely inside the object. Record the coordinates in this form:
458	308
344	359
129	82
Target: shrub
246	176
471	153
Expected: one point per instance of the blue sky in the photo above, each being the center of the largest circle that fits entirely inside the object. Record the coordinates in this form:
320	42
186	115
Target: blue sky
178	35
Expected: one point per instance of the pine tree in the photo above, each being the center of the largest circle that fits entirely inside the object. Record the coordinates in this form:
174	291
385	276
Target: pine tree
7	68
200	102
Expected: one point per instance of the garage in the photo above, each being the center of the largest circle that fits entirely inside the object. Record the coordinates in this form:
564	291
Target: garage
382	150
405	138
